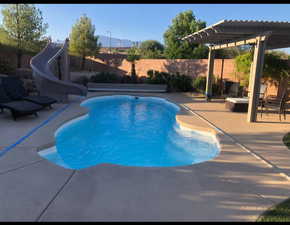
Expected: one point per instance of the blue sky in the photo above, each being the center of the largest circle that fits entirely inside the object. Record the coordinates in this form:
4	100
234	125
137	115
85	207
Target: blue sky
138	22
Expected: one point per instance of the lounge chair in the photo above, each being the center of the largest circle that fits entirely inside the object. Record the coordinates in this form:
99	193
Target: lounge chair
276	103
16	91
17	108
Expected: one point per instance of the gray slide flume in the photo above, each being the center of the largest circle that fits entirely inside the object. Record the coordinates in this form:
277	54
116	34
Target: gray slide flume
43	65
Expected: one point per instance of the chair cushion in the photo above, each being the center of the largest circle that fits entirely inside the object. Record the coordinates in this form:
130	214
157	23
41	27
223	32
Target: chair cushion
42	100
238	100
3	96
22	106
14	88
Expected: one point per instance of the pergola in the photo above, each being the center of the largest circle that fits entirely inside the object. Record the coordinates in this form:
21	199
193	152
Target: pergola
262	35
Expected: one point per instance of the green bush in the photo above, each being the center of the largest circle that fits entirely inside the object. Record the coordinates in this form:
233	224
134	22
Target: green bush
156	77
175	82
105	77
142	79
216	89
126	79
150	73
216	86
83	80
199	84
180	82
5	67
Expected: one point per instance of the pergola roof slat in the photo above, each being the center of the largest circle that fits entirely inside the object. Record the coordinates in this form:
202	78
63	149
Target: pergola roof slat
229	31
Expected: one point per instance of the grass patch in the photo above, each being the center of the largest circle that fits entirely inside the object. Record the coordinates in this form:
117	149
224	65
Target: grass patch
280	212
286	140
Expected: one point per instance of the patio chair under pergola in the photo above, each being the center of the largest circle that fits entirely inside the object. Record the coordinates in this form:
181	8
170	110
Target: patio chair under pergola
263	35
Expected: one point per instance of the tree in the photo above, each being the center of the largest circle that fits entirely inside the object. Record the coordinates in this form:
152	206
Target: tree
230	53
243	64
275	68
280	54
151	49
83	41
133	55
184	24
23	24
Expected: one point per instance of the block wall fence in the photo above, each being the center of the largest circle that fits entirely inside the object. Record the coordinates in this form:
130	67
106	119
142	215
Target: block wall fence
117	63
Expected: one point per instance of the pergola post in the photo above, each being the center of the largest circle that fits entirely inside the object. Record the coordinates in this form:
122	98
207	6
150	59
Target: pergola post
209	77
255	77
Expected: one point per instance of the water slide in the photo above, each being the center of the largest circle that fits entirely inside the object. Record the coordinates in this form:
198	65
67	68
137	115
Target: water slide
47	82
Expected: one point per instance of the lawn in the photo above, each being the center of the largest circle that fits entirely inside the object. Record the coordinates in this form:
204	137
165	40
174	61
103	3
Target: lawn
279	213
286	140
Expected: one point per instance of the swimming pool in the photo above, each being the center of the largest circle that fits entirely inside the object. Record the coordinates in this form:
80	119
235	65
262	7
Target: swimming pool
129	131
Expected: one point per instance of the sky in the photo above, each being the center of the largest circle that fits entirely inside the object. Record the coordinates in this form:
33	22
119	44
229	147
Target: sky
139	22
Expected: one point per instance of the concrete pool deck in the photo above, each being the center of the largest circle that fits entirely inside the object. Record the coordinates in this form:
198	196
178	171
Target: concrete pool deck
235	186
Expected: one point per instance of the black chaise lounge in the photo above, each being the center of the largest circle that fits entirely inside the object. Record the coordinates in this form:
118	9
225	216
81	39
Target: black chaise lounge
17	108
16	91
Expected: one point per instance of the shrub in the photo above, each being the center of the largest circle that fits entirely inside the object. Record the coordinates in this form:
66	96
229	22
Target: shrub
199	84
5	67
156	77
83	80
180	82
150	73
216	86
126	79
142	79
105	77
275	67
175	82
215	89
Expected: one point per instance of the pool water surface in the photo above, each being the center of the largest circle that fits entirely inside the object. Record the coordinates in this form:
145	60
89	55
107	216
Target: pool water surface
129	131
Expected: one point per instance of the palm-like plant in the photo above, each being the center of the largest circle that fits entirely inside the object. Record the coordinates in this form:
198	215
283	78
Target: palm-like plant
132	57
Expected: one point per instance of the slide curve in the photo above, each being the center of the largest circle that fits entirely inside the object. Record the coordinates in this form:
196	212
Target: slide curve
46	81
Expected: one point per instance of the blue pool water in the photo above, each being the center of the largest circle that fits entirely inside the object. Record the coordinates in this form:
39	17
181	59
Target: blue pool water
129	131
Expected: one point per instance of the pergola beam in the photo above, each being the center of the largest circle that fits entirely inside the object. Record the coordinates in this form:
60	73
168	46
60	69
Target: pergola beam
269	46
232	33
249	31
253	40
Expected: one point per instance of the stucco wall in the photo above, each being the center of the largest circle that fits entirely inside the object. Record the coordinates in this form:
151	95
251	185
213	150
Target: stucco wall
190	67
117	63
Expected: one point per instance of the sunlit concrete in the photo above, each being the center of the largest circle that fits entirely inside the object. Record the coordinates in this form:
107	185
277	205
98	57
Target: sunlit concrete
235	186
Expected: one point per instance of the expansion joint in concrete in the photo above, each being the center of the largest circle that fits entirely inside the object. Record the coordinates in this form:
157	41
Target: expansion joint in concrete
55	196
262	159
21	167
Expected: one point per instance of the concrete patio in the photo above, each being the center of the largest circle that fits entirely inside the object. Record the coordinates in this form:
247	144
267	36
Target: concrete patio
235	186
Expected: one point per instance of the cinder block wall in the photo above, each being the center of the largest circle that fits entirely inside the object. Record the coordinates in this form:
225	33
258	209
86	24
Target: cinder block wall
117	63
190	67
12	59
